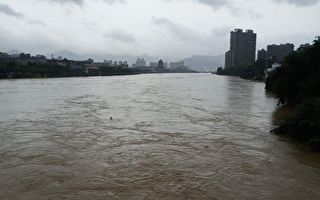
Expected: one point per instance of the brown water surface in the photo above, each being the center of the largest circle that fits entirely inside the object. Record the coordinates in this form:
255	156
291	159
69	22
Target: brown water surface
176	136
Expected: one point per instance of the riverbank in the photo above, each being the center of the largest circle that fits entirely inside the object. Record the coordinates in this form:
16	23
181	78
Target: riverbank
254	72
300	123
296	86
27	66
59	72
29	75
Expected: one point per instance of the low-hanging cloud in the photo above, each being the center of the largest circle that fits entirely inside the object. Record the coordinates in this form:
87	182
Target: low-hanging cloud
177	30
121	36
5	9
185	38
36	22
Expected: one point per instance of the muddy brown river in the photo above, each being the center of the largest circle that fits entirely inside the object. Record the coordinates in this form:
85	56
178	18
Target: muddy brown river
172	136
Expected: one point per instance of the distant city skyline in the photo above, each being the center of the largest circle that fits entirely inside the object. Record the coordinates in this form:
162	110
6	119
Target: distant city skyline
168	29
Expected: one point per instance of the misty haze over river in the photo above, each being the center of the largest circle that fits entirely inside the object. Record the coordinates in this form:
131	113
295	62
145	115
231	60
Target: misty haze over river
173	136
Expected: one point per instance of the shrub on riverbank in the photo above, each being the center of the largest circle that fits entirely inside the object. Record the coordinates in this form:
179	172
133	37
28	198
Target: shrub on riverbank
252	72
297	84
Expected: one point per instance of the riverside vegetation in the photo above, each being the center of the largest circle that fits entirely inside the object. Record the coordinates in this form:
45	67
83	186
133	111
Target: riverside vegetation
296	86
27	66
252	72
15	69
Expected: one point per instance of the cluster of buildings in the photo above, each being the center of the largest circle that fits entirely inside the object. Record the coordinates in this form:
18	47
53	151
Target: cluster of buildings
88	66
242	50
25	59
275	53
160	66
64	67
22	58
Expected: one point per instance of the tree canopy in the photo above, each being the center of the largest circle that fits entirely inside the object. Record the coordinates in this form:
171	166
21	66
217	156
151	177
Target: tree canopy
296	84
298	77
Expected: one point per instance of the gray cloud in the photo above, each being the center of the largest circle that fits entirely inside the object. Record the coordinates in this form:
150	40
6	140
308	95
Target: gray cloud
300	2
78	2
179	31
185	38
220	3
214	3
120	35
9	11
36	22
114	1
171	34
228	4
221	31
82	2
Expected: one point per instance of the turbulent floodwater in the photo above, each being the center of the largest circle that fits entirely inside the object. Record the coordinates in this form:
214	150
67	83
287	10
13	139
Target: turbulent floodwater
177	136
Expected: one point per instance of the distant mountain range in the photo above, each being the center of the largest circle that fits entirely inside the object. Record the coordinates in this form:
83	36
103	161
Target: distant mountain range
204	63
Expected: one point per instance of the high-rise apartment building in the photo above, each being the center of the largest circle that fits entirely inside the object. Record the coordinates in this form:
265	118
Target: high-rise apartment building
279	52
242	48
139	63
262	55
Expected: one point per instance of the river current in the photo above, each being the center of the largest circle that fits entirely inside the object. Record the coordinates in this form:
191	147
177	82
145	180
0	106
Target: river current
171	136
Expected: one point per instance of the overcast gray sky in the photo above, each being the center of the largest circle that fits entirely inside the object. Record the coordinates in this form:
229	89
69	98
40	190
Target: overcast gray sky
170	29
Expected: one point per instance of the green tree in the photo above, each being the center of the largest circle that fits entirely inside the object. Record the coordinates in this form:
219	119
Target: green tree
296	84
